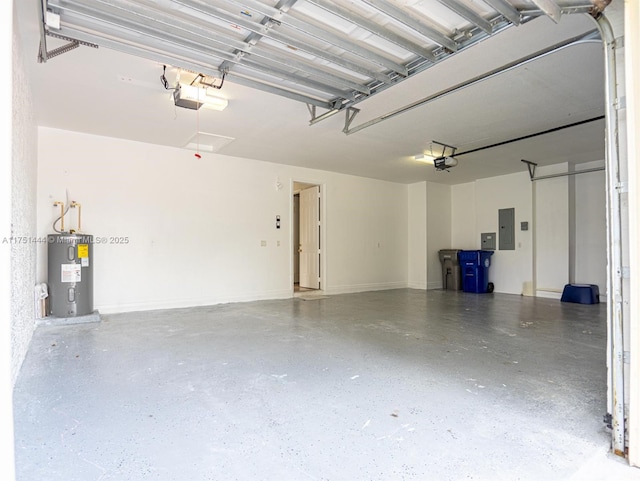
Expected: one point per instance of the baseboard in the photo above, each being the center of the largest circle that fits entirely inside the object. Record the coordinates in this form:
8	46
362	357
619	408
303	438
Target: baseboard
155	304
152	305
67	321
434	285
352	289
548	294
418	285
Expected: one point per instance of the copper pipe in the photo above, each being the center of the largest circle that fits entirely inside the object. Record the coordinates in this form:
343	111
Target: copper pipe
79	206
61	204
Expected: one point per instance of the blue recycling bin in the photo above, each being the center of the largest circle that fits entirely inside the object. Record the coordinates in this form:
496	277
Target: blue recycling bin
475	271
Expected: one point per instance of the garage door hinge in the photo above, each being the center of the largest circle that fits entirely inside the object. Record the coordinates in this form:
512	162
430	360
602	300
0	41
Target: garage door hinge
608	420
620	103
626	358
622	187
626	272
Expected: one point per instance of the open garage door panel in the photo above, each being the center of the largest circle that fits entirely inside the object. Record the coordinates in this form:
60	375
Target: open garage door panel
329	54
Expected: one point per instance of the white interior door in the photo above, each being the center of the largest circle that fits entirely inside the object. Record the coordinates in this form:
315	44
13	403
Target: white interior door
309	247
296	239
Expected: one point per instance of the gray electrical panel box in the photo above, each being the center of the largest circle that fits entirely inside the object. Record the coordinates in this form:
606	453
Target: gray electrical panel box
506	222
488	241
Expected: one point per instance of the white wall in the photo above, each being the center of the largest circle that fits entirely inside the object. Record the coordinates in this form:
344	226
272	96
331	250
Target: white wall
417	268
474	210
511	270
367	228
438	230
551	197
554	218
464	234
590	254
570	229
194	227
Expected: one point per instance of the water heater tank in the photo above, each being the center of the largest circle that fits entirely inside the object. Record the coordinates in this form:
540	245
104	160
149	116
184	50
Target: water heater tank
70	260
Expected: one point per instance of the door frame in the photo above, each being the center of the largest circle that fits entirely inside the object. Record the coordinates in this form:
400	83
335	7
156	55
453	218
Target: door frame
323	231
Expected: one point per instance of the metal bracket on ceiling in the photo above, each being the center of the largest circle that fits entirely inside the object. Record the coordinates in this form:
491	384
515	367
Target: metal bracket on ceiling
550	8
312	112
350	114
334	108
44	54
532	168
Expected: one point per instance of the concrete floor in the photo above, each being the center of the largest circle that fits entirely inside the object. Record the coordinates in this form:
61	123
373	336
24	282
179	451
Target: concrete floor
389	385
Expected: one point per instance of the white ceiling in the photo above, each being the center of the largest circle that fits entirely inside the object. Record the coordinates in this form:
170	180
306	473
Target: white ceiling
108	93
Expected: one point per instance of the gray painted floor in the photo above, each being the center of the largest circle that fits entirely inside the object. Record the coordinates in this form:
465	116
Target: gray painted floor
390	385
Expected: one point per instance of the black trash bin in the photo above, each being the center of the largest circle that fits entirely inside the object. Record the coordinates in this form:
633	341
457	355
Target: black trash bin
475	271
451	278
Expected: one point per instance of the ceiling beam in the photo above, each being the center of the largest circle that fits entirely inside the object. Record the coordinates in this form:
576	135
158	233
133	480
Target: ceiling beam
326	55
253	38
550	8
283	7
468	14
193	25
410	21
196	55
270	88
329	80
177	60
42	55
374	28
299	25
157	33
505	9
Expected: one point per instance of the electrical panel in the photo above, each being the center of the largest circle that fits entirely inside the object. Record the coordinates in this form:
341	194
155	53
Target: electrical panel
506	222
488	241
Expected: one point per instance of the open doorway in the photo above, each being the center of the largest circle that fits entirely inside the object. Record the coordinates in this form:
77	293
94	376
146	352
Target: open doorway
307	234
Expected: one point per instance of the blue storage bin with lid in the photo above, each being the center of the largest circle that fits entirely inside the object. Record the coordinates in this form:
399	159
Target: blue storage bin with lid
581	293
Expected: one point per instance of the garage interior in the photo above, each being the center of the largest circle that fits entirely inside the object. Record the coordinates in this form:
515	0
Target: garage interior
393	384
227	347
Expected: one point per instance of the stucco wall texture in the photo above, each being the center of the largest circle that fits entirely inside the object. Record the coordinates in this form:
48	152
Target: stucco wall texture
23	210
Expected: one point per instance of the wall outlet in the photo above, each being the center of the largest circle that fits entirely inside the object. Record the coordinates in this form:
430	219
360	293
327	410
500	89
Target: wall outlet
263	243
